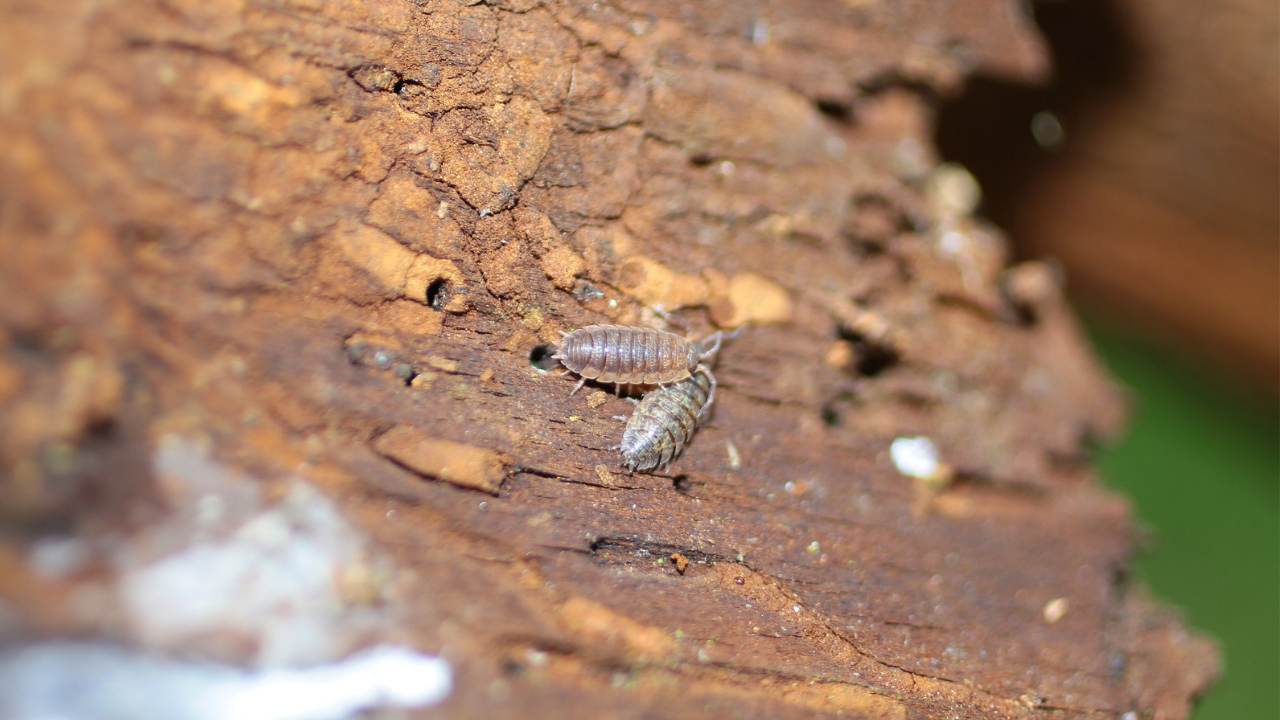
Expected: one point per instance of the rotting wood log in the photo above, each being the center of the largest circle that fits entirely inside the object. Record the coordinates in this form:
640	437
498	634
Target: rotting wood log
257	249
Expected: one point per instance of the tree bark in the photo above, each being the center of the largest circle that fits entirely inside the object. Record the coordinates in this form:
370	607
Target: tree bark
321	244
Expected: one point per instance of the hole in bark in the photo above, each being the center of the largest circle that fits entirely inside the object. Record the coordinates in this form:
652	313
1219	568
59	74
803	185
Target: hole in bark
681	483
831	415
438	293
540	357
873	357
406	373
407	85
700	159
838	111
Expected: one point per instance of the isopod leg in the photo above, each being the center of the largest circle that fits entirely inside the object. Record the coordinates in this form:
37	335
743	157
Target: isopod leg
715	338
711	394
578	387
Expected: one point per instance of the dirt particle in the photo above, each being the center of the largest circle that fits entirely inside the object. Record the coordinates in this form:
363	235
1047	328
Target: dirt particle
1056	609
455	463
680	562
735	457
423	381
603	475
840	354
584	291
597	398
918	457
1031	700
442	364
1031	285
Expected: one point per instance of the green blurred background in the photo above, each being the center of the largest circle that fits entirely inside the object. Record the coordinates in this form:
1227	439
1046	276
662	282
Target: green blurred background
1201	462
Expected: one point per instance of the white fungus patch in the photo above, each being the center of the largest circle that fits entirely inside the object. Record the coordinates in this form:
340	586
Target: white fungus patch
246	575
85	681
272	593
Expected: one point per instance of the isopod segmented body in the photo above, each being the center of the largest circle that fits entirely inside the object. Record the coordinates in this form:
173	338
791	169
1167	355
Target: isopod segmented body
664	422
626	355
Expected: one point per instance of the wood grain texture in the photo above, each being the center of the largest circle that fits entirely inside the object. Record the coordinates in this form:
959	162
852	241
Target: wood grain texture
322	240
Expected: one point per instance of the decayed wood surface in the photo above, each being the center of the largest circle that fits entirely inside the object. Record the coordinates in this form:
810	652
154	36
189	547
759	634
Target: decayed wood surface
322	240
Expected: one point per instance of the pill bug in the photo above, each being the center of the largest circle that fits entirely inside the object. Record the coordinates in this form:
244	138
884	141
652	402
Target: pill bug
664	422
626	355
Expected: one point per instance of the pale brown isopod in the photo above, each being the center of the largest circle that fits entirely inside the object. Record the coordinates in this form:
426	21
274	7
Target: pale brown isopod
626	355
664	422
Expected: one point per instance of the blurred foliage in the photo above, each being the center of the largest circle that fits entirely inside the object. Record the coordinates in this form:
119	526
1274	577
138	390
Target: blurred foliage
1200	463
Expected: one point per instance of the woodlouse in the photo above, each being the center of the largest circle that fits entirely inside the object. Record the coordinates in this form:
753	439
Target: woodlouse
664	422
626	355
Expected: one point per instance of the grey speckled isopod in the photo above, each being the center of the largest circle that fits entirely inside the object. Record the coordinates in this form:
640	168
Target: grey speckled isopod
664	422
626	355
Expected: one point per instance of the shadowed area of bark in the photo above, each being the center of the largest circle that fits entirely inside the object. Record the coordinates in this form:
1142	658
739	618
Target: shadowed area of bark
320	243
